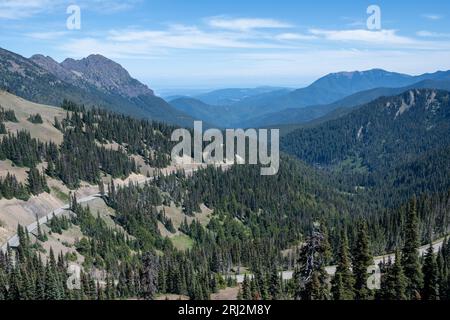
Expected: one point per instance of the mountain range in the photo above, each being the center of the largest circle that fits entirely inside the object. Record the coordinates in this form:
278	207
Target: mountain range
94	80
334	91
99	81
226	97
321	113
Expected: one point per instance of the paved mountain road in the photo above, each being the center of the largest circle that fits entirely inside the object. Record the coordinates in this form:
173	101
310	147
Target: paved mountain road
331	270
14	240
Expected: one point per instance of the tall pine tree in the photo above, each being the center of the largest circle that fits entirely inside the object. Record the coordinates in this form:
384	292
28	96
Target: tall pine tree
410	253
343	282
362	260
430	276
393	285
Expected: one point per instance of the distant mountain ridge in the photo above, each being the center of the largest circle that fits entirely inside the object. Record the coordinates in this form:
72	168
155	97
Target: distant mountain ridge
285	106
333	87
94	80
231	96
340	107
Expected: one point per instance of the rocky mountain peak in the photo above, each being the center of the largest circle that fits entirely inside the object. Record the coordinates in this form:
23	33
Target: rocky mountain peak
106	75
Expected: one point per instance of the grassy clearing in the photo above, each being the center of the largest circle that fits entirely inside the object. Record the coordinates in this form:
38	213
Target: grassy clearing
182	242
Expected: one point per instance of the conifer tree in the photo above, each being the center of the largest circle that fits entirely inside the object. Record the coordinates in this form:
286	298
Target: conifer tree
274	284
246	290
393	285
24	244
149	276
430	276
41	236
443	266
343	282
362	259
410	253
51	284
311	278
37	183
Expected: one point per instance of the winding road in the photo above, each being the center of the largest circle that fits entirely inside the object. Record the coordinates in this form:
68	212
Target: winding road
14	240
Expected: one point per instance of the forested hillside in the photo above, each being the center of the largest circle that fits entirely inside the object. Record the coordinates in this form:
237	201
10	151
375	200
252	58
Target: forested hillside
395	146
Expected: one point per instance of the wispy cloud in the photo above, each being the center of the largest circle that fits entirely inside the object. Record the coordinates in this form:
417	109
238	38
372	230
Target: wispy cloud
109	6
430	16
250	47
151	43
20	9
353	22
214	34
362	35
49	35
381	38
245	24
294	36
431	34
78	48
189	37
16	9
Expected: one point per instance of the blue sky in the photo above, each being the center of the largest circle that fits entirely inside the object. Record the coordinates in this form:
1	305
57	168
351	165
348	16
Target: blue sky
171	44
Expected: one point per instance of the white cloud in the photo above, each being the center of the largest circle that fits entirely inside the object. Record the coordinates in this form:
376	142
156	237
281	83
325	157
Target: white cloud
20	9
432	16
380	38
225	35
294	36
430	34
353	22
246	24
49	35
79	48
146	42
188	37
17	9
151	44
362	35
109	6
251	48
